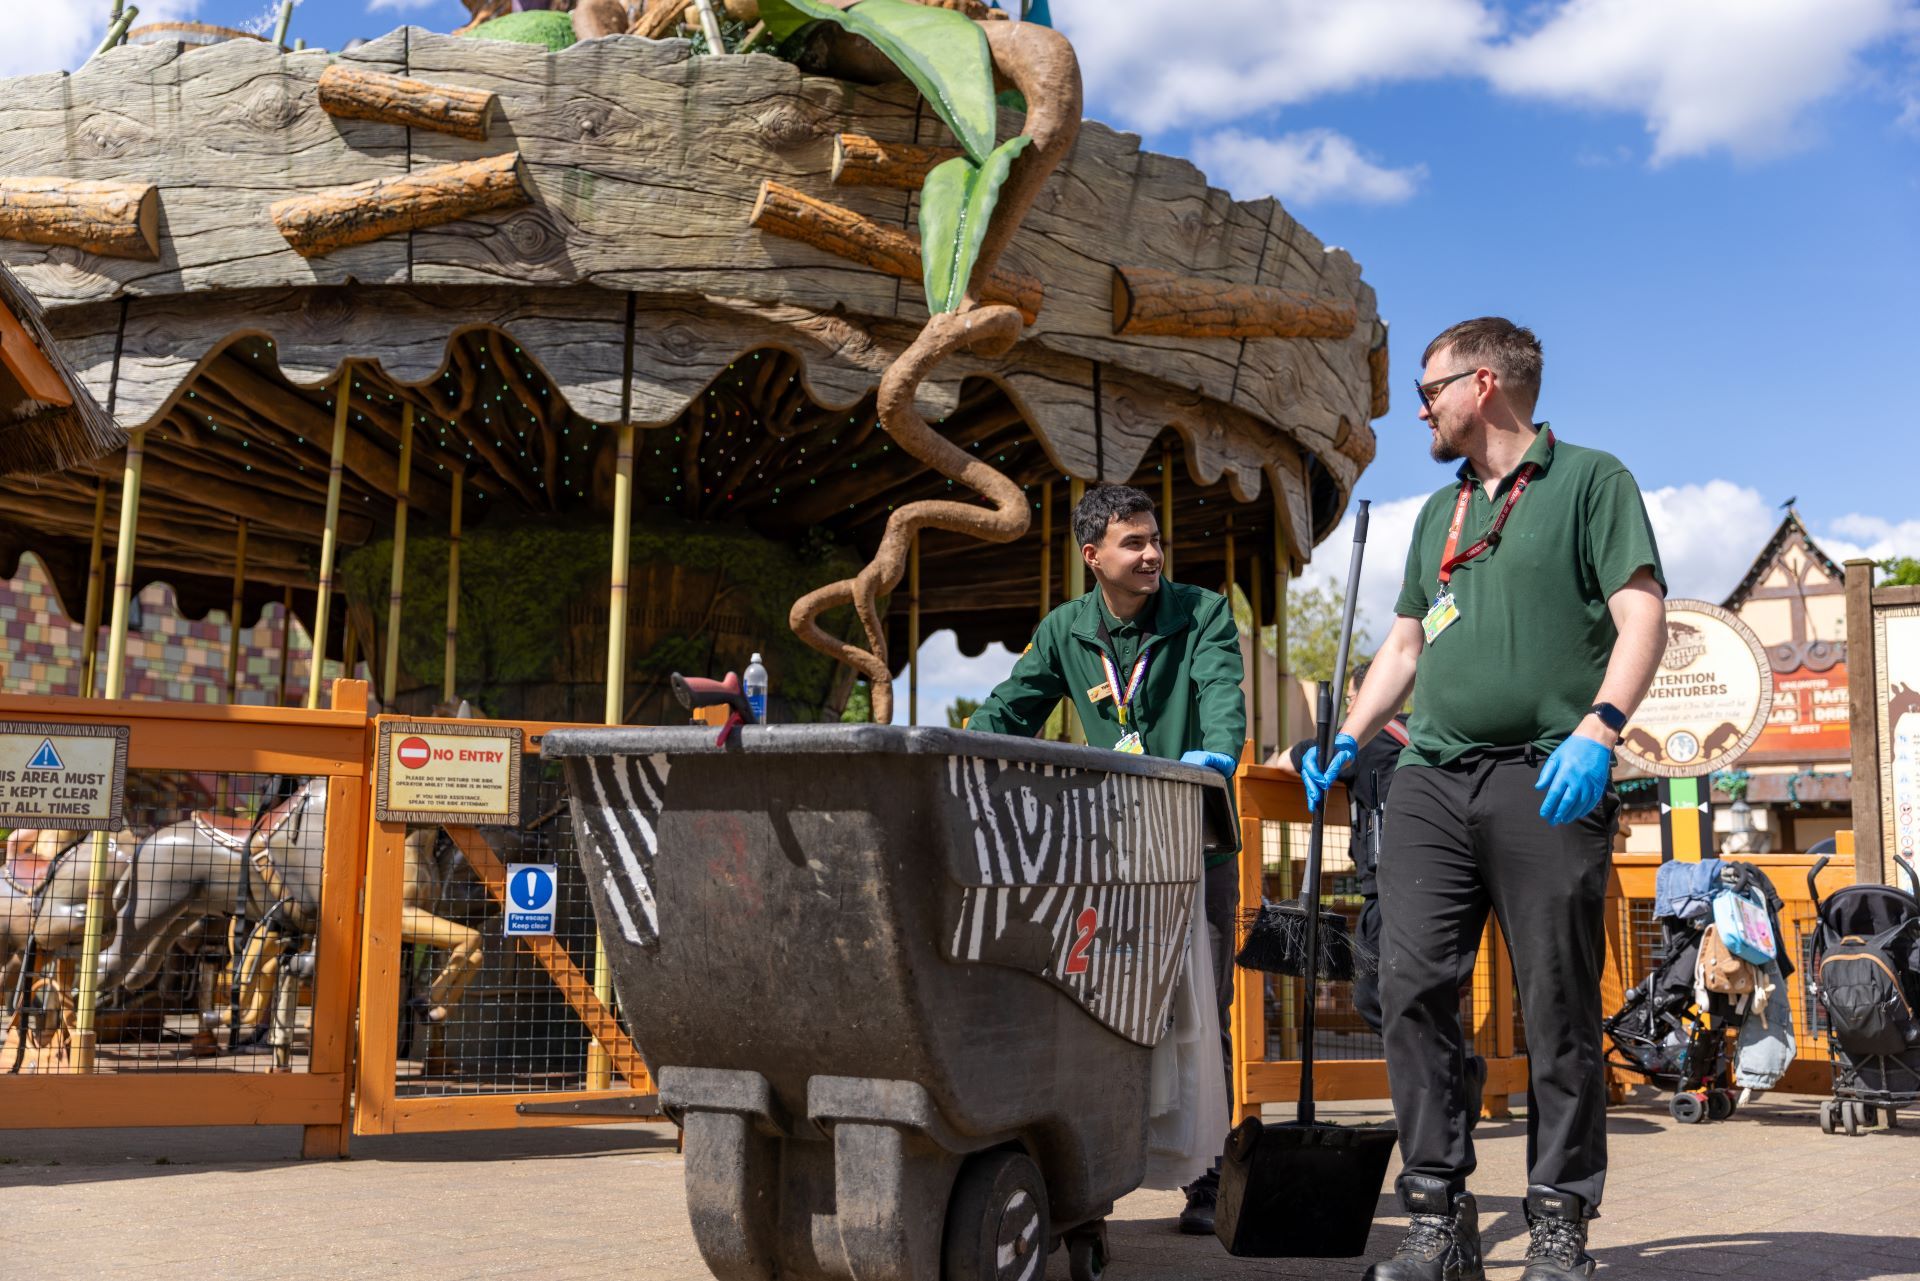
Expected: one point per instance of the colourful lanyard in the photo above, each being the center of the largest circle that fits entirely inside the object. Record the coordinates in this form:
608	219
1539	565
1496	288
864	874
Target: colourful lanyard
1448	560
1121	700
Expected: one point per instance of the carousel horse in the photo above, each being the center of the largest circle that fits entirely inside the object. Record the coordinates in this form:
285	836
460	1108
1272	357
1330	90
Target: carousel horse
267	869
43	900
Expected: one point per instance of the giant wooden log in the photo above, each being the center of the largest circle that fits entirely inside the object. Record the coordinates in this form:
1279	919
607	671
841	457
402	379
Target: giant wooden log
113	219
860	161
1379	399
324	221
347	94
798	216
1147	300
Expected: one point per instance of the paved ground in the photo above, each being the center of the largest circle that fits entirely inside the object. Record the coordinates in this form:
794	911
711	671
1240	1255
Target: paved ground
1764	1196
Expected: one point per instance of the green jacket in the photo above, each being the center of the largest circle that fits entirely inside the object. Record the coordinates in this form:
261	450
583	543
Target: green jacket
1189	701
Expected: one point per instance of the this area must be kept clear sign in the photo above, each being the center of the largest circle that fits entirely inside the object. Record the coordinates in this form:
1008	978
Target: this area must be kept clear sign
436	772
62	776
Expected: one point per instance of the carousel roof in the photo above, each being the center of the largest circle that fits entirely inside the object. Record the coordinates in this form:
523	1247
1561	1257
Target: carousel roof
525	247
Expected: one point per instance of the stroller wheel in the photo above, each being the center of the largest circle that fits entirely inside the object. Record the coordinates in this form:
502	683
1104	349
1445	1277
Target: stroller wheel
1893	1119
1869	1114
1719	1105
1852	1118
1829	1118
1688	1109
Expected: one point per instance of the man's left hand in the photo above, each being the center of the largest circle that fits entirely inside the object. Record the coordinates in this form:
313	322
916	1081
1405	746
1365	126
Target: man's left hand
1574	779
1212	760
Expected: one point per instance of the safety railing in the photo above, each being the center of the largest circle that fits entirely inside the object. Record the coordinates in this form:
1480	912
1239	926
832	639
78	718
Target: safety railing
1348	1060
194	965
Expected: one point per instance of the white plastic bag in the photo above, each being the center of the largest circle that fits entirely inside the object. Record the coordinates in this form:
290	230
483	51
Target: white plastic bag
1187	1105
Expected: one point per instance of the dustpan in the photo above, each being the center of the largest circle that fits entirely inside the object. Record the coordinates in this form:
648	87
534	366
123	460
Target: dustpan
1307	1189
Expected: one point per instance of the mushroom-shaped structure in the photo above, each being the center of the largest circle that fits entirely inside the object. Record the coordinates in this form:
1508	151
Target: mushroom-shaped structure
504	253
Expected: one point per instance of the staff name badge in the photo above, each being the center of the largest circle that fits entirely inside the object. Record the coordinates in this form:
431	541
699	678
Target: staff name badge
1443	614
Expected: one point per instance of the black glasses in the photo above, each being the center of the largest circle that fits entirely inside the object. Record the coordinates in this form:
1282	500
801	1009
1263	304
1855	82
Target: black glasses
1427	391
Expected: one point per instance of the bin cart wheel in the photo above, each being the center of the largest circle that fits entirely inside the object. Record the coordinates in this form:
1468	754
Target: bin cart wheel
996	1220
1851	1115
1719	1105
1688	1108
1869	1114
1829	1115
1087	1252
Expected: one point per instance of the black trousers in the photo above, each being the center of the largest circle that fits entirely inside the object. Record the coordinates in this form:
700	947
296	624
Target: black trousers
1461	839
1222	904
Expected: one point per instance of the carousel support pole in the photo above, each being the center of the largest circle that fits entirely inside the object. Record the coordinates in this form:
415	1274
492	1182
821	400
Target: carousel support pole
913	632
1046	548
286	645
1282	688
350	647
396	590
599	1062
330	536
1166	511
96	574
1076	588
453	593
239	606
100	875
1255	663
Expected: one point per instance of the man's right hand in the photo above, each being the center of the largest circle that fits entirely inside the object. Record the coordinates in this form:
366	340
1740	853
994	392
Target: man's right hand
1318	780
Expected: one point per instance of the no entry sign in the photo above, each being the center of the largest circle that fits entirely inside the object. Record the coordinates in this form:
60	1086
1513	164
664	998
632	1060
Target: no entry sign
448	772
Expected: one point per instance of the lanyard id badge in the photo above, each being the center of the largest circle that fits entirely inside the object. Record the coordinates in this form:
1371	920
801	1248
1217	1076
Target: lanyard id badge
1445	610
1123	693
1444	613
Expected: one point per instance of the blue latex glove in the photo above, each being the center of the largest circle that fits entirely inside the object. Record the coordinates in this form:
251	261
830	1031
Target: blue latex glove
1574	778
1212	760
1319	780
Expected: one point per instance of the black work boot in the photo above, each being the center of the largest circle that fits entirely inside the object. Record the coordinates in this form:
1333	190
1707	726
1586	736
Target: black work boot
1202	1194
1444	1242
1557	1246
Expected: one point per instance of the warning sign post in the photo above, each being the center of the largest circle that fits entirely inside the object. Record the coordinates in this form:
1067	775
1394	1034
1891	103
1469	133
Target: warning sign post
62	776
435	772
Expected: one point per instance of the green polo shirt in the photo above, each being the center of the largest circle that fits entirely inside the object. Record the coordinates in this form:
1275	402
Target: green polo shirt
1525	659
1189	700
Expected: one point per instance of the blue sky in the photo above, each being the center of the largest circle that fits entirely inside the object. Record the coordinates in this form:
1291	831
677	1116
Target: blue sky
1708	209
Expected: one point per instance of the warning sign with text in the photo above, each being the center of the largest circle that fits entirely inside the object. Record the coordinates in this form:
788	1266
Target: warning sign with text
434	772
62	776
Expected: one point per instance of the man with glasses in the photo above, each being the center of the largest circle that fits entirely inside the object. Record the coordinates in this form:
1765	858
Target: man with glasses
1530	621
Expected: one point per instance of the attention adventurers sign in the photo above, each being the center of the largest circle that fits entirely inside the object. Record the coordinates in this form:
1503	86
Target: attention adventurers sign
1709	700
62	776
446	772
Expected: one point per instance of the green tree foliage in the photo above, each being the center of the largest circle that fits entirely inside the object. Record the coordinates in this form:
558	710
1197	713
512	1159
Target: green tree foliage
859	709
961	709
1900	571
1313	630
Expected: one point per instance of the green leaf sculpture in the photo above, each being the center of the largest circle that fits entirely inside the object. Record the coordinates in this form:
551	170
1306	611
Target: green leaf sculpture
956	204
943	52
536	26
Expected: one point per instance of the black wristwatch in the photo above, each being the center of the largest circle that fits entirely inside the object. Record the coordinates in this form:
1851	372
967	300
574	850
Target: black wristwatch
1610	716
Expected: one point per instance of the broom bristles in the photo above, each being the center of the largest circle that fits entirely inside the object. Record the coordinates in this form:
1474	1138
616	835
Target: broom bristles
1275	942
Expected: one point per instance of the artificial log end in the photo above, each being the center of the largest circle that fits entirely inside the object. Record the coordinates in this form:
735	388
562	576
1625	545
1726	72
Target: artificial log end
111	219
1122	301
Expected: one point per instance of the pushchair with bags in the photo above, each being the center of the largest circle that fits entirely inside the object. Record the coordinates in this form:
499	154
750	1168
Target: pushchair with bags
1866	981
1664	1031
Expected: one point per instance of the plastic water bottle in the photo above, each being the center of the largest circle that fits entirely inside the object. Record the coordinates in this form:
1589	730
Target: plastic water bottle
756	682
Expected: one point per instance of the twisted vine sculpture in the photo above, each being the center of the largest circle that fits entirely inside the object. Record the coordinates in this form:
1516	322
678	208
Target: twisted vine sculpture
1041	64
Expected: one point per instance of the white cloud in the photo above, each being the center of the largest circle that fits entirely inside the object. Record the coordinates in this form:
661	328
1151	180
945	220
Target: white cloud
59	37
1389	532
401	6
1302	168
946	674
1709	534
1705	74
1871	536
1150	65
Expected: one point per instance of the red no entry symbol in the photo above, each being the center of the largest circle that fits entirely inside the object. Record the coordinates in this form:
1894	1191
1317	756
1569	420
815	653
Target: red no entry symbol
414	752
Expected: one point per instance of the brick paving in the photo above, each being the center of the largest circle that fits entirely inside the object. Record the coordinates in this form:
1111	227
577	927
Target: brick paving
1764	1196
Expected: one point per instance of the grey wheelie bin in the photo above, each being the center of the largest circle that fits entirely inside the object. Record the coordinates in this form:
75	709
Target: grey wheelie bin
900	986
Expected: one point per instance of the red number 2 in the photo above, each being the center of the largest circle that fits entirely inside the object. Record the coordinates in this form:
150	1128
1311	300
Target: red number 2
1077	955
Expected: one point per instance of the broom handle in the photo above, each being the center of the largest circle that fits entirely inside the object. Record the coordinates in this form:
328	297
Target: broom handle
1330	703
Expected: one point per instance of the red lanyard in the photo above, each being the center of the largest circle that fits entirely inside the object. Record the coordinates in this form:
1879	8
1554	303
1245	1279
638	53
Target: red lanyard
1448	560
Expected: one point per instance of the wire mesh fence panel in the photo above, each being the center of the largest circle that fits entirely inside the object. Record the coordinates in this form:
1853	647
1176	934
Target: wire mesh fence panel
483	1012
209	942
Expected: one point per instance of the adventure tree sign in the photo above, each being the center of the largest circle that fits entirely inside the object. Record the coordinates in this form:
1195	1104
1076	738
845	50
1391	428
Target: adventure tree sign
447	772
62	776
1709	700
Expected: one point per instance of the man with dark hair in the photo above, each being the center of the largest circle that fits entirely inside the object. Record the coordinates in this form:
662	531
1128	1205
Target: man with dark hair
1151	667
1530	621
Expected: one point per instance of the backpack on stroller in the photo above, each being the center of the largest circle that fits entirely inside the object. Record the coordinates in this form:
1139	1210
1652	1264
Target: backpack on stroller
1866	980
1663	1032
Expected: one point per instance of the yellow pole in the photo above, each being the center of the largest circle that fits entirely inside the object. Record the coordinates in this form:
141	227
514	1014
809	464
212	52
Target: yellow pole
396	588
99	876
1258	660
453	592
1076	588
350	644
913	631
1166	511
599	1063
1282	686
286	645
239	607
329	536
96	573
1046	548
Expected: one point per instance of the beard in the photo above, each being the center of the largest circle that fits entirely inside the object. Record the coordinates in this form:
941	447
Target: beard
1446	446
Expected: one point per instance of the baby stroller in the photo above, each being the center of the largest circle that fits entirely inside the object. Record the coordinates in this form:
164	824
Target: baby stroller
1661	1031
1866	979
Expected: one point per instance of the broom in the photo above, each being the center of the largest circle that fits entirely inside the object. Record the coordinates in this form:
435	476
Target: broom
1280	937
